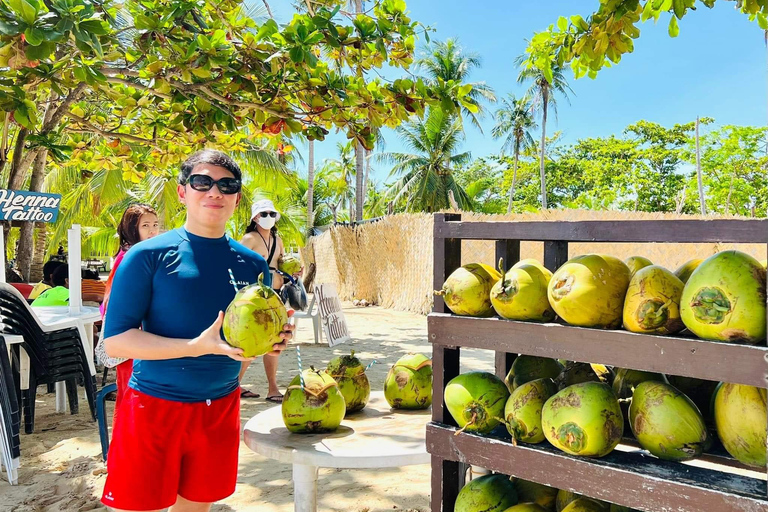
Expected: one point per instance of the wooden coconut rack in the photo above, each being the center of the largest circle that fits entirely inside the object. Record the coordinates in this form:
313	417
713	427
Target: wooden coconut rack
628	476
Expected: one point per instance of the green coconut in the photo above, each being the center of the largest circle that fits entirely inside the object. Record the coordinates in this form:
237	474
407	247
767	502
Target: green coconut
565	498
589	291
533	492
409	383
686	269
666	422
521	294
526	507
349	373
476	401
317	407
254	319
585	505
489	493
740	413
522	412
467	291
652	305
529	261
527	368
584	419
724	299
635	263
627	380
289	264
764	263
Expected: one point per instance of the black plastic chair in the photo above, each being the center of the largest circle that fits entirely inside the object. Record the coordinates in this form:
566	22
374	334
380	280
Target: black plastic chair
9	406
56	355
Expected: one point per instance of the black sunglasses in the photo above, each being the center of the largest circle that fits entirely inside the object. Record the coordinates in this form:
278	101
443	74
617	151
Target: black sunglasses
267	214
204	183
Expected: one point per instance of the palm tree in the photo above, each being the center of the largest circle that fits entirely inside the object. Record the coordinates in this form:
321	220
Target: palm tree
448	61
425	176
514	122
344	170
542	93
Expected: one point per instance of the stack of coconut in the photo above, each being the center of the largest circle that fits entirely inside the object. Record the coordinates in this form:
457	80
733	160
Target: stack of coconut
500	493
581	408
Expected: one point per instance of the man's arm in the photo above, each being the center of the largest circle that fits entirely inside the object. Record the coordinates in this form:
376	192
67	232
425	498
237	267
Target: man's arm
138	344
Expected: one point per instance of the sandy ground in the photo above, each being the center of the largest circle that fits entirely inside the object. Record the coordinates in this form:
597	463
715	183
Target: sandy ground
61	466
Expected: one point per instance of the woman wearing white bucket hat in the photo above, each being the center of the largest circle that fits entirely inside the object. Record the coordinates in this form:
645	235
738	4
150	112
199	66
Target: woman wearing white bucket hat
261	236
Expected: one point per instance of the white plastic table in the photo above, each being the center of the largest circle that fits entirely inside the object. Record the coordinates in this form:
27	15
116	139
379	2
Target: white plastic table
376	437
53	316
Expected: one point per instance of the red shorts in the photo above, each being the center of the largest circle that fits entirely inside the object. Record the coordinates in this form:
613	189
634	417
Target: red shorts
124	372
161	449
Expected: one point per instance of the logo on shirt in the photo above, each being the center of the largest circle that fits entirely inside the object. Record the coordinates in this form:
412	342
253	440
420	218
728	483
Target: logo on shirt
238	283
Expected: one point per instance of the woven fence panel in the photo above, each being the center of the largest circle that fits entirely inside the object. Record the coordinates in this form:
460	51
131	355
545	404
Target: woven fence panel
389	262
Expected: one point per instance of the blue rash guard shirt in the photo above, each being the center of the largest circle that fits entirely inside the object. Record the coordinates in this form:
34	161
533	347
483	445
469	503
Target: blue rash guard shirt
174	285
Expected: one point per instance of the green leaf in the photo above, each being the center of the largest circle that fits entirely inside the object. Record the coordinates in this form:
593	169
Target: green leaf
674	30
297	54
9	29
34	36
25	10
20	116
313	38
562	23
93	26
41	52
679	8
580	23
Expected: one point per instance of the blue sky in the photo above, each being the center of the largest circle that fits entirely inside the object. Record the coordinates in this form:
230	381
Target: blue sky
716	67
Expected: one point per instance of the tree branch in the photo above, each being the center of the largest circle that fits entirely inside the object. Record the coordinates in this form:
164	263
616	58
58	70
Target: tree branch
140	86
269	11
73	96
92	128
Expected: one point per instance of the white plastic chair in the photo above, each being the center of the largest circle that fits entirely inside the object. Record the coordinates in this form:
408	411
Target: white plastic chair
314	315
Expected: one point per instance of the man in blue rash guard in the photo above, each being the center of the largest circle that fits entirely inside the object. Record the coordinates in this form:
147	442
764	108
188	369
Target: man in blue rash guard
175	442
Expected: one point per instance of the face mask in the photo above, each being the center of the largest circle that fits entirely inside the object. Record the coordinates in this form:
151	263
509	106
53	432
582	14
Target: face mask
266	222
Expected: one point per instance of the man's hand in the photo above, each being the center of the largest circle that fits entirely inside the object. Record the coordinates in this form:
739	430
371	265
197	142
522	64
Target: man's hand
210	342
286	335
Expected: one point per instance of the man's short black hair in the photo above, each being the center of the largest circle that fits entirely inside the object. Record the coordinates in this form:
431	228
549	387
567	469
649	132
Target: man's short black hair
211	157
60	275
49	267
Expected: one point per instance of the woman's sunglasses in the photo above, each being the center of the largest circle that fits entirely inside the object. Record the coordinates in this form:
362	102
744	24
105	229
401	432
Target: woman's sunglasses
267	214
204	183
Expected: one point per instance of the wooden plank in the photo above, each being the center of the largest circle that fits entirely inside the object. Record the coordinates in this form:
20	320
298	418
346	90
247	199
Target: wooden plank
660	231
447	258
631	479
446	483
688	357
509	251
555	254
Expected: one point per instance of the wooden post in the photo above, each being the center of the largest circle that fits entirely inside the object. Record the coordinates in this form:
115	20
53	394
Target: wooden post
555	254
447	475
509	250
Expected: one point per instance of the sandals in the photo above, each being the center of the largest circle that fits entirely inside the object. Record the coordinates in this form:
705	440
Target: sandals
276	399
244	393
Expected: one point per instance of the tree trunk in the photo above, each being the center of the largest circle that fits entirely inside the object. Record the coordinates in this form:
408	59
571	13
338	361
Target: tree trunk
514	179
728	200
25	247
359	179
367	170
311	187
702	203
545	98
38	256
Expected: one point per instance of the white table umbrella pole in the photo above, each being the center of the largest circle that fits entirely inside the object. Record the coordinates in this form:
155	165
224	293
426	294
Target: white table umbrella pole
75	276
304	488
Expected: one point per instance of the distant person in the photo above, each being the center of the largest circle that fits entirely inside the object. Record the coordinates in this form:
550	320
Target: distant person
139	223
92	288
59	294
47	282
261	237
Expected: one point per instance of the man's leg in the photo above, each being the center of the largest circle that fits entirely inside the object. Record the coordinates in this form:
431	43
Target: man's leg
270	368
244	393
184	505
